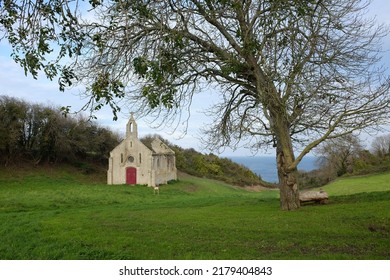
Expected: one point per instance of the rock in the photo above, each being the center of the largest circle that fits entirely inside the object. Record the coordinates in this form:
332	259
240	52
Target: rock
314	196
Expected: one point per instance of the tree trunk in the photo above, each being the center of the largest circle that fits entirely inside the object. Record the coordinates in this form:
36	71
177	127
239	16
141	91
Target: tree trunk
288	183
288	175
287	171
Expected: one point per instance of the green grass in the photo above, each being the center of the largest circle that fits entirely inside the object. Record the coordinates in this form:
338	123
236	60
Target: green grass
59	214
359	184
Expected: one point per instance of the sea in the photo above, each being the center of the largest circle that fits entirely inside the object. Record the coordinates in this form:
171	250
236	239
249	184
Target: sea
265	166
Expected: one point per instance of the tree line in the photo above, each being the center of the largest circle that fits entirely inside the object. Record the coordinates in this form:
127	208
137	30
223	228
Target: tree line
347	156
38	133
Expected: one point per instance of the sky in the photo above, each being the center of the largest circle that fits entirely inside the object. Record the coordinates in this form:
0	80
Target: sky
14	83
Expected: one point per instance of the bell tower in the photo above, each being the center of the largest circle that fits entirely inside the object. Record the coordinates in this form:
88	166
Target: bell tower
131	128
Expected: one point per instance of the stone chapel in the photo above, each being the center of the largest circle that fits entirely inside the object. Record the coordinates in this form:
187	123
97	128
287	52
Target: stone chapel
133	162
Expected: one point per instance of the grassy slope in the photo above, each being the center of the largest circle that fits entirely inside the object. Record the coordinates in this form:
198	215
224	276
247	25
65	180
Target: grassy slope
55	214
359	184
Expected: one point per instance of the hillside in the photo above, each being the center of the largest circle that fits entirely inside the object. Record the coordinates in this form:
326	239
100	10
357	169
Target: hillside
211	166
57	213
41	135
359	184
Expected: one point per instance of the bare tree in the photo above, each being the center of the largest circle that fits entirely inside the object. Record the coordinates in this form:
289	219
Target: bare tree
289	74
337	155
381	145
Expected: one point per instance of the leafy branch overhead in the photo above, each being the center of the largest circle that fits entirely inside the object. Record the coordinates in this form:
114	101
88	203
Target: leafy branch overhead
42	33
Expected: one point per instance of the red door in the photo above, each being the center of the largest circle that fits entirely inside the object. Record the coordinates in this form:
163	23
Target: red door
131	176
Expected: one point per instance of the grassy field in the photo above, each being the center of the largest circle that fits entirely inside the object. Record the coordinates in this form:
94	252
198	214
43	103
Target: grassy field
359	184
59	214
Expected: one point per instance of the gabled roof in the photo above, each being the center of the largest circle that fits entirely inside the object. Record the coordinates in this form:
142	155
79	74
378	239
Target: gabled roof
157	146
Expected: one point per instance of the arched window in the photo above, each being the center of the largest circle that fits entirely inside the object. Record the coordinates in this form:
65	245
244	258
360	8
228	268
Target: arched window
131	127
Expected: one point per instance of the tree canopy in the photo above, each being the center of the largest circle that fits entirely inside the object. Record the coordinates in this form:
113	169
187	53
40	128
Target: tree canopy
289	73
37	133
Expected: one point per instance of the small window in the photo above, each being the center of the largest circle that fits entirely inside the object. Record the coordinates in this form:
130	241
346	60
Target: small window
130	159
121	158
140	158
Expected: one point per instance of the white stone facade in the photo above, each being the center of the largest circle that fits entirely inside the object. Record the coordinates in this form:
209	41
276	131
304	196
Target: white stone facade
132	162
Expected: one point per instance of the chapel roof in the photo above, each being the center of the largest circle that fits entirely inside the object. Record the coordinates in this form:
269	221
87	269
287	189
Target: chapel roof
148	142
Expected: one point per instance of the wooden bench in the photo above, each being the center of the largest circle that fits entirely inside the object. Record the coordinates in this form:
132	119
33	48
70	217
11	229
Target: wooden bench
314	196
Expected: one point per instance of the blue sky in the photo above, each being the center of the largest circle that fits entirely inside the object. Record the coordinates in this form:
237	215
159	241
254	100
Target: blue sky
14	83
